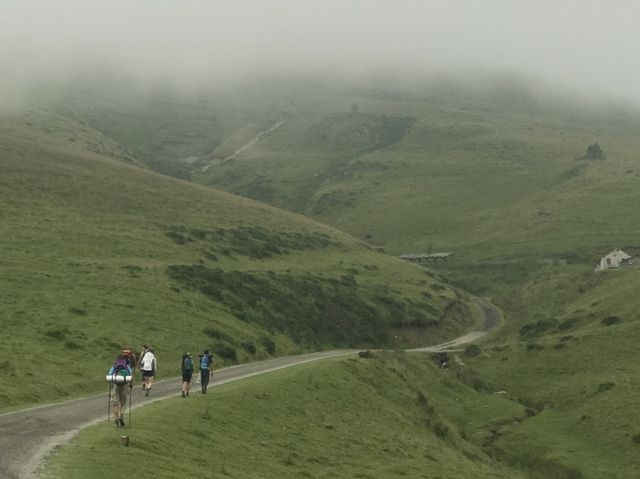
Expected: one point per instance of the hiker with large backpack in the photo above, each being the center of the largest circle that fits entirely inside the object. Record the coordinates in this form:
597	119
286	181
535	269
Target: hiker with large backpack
206	369
120	377
148	368
187	373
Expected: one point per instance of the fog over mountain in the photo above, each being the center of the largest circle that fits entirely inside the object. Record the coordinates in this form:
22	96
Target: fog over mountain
588	44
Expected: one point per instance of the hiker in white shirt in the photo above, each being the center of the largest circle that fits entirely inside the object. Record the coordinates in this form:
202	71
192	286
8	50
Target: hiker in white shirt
148	368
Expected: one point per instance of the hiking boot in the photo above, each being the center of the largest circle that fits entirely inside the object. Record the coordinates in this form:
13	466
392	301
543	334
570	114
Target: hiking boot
187	393
184	394
116	423
146	392
121	421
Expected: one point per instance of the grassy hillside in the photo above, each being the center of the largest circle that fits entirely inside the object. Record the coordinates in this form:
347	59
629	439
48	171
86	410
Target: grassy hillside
495	173
490	168
99	253
479	174
374	418
577	371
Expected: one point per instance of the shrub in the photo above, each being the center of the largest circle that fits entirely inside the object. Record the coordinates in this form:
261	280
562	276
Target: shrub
268	344
217	334
539	327
472	350
535	347
610	320
177	237
604	387
248	347
6	368
567	324
594	152
133	270
441	430
210	256
58	334
224	351
72	345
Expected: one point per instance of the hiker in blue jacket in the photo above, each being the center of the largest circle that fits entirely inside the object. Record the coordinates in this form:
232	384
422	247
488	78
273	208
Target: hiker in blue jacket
121	375
206	369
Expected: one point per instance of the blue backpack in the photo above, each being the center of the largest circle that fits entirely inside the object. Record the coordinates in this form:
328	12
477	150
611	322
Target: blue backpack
204	362
187	365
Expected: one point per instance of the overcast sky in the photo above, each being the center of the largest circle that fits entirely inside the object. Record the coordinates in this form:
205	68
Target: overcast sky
586	43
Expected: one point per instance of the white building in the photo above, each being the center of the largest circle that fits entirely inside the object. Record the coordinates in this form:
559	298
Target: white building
613	259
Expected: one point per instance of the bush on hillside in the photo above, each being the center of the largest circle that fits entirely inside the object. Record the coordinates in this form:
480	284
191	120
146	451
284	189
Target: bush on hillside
217	334
535	347
610	320
268	344
224	351
604	387
531	330
251	241
567	324
594	152
472	350
249	347
313	310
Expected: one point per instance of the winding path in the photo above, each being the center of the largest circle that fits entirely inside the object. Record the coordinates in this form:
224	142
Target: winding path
255	140
28	436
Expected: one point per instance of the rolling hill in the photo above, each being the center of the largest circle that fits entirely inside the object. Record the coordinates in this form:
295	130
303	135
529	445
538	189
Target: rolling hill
101	252
497	174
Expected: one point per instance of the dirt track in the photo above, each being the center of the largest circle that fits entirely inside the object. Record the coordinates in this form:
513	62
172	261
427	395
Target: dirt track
27	437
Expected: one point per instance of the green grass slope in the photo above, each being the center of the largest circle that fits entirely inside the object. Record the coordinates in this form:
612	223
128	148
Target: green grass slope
570	357
99	253
370	418
489	168
480	173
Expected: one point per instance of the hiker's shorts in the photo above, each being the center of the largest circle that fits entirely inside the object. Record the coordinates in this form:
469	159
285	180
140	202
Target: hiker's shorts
120	395
186	377
147	374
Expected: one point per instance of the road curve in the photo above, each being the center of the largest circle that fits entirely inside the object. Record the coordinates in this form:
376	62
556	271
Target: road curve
28	436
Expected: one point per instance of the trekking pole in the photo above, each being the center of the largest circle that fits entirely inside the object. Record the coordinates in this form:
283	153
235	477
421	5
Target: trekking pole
109	404
130	399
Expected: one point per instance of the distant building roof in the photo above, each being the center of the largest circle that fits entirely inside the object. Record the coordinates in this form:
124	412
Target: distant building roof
426	256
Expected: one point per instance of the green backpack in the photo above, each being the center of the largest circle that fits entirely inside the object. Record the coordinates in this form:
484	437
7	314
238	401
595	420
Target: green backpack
187	365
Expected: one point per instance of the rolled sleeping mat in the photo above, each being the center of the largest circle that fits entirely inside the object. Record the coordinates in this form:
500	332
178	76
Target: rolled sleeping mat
118	379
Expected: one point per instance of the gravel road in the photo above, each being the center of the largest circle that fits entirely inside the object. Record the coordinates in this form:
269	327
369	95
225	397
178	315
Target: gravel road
28	436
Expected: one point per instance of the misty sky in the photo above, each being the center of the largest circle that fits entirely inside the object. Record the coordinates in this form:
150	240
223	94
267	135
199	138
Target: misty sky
586	43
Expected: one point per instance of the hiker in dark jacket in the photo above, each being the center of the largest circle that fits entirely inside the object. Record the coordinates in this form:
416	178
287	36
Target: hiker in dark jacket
206	369
187	373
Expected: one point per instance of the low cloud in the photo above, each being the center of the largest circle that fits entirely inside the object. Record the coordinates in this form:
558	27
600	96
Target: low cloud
586	44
